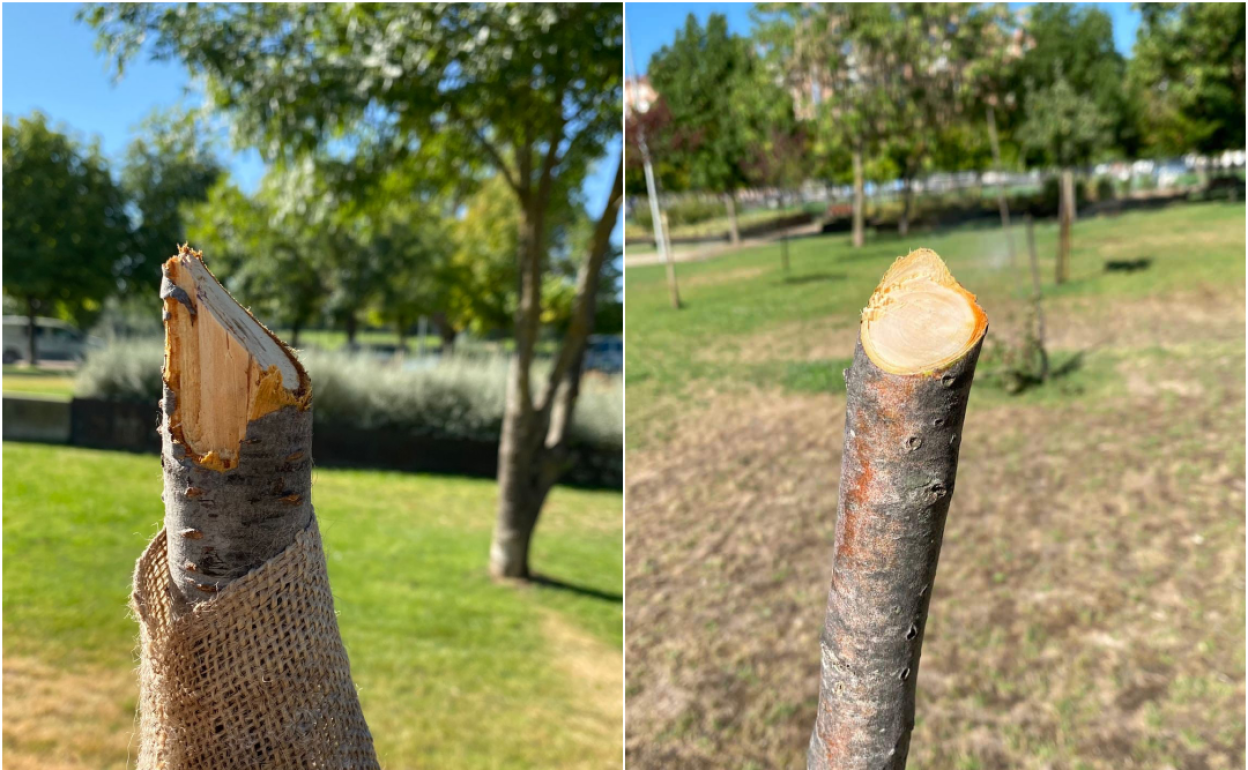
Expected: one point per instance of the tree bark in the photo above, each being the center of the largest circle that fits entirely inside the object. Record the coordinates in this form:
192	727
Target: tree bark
859	195
903	225
533	450
669	262
1065	210
1036	298
903	429
32	349
734	229
1002	204
352	328
237	622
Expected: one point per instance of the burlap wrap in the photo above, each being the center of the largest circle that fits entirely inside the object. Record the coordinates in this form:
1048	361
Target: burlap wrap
255	677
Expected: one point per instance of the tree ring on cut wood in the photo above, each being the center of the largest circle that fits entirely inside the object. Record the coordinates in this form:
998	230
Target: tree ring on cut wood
920	318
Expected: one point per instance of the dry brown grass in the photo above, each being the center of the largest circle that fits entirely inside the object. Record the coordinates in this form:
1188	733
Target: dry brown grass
41	702
1089	611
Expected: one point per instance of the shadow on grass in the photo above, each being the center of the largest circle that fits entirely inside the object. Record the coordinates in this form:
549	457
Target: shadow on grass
546	581
1015	382
1128	265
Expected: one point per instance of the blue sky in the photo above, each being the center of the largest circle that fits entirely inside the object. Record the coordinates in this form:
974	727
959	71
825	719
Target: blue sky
650	26
50	64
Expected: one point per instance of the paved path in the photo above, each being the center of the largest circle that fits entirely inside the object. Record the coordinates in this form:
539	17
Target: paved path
698	252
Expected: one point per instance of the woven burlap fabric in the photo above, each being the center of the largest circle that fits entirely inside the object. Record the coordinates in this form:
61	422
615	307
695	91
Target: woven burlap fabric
255	677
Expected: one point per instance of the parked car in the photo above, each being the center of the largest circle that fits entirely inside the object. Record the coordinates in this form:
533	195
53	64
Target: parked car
604	353
55	340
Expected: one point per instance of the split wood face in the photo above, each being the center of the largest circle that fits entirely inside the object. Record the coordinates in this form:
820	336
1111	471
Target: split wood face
902	436
236	435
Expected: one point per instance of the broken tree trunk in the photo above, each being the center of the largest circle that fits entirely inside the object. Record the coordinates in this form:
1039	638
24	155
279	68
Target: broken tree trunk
906	397
242	662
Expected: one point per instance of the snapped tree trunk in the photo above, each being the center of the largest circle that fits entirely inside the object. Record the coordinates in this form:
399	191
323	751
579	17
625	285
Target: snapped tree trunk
859	197
32	347
242	661
1065	212
1002	204
907	394
533	451
734	229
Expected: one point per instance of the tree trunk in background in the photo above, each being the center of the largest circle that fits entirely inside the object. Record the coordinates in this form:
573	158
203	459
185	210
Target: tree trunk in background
295	328
859	201
351	329
1064	208
730	200
1072	201
784	251
446	332
32	349
1036	298
533	450
903	225
1002	203
669	262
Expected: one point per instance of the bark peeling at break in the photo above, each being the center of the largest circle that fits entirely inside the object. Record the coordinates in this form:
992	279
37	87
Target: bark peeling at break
236	435
902	436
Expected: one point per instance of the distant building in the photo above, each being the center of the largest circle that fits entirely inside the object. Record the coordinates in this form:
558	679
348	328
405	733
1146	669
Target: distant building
639	98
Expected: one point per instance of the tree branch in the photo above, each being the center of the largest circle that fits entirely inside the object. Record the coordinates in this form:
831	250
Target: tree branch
564	379
490	150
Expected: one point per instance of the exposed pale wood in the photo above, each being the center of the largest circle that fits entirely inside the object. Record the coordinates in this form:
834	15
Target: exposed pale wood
224	368
920	318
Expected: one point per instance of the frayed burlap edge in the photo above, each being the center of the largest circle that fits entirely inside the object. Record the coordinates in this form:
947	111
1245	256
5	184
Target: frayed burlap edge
255	677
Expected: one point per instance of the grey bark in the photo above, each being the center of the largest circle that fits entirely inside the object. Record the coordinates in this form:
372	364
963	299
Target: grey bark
533	450
220	525
902	436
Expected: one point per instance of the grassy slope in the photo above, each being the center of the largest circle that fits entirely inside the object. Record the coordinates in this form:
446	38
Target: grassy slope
454	670
730	299
1090	607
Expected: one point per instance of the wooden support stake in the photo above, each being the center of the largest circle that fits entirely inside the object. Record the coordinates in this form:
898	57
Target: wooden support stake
907	393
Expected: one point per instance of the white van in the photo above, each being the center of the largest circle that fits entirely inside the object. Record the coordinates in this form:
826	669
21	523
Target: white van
55	340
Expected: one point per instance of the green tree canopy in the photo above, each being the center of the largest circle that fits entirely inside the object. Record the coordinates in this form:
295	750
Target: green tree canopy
698	77
1064	128
1076	45
171	163
65	224
1189	59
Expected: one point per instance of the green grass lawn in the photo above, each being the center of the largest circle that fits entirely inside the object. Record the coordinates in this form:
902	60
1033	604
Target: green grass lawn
454	670
51	383
730	299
